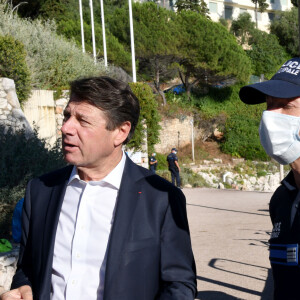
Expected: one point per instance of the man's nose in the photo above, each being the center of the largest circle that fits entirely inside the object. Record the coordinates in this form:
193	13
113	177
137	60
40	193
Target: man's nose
68	127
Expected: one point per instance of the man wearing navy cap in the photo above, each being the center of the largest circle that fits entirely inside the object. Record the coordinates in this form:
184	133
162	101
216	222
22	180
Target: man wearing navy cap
279	135
174	167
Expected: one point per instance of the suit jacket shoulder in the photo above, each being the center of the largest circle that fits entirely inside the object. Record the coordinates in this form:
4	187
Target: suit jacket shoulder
55	177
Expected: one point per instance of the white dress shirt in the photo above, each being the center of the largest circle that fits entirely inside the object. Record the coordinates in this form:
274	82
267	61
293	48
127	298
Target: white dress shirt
82	235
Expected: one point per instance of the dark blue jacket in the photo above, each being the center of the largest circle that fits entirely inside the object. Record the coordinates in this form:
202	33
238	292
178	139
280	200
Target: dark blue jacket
285	216
149	251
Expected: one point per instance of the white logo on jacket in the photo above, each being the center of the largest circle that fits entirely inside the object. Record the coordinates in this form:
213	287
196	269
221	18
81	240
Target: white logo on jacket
276	230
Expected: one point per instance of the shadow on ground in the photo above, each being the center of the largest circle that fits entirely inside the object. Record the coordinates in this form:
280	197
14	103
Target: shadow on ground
211	295
266	294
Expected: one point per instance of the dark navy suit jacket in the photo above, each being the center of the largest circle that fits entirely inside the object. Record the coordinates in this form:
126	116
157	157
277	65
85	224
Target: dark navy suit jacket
149	251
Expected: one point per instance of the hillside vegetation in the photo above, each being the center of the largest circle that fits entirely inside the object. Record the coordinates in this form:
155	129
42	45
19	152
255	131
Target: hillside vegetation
52	59
186	45
239	122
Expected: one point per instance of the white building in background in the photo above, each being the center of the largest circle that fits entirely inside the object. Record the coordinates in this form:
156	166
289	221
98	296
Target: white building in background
231	9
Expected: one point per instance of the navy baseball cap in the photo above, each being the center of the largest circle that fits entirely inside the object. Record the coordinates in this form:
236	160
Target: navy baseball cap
284	84
174	149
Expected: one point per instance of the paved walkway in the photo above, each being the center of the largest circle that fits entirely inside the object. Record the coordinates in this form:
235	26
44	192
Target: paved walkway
229	231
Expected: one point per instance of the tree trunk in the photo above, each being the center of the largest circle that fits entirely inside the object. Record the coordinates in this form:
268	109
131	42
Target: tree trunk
186	84
157	86
256	14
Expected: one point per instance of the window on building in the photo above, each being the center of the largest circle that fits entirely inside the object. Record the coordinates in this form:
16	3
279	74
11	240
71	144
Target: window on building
243	10
271	16
228	12
272	1
171	4
258	16
283	2
213	7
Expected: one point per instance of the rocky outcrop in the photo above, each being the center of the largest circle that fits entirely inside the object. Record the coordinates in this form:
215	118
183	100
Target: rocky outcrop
8	265
218	175
11	114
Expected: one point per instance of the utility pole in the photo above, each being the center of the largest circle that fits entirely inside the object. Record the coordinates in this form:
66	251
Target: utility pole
81	26
93	31
103	33
281	172
193	146
132	42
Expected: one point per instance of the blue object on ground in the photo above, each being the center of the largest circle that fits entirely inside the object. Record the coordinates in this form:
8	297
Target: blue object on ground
17	221
177	89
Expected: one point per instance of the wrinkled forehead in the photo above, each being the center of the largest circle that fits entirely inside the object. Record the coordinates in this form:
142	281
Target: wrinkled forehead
82	108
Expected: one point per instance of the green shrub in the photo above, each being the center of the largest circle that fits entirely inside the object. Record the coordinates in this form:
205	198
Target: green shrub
53	60
164	174
149	115
266	54
187	176
242	139
13	65
20	160
261	173
162	163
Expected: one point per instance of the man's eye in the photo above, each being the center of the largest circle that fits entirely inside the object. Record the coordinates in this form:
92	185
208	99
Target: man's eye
84	121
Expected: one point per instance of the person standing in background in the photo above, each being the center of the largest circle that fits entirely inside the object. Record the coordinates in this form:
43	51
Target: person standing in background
153	162
174	167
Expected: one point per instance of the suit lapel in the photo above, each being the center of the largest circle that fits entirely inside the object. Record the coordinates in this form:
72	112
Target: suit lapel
126	204
51	221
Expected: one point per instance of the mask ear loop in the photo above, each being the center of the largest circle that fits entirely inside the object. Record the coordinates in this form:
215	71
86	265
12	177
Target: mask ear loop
298	130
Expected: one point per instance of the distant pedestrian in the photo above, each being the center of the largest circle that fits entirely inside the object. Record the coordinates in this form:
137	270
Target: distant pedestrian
153	162
174	167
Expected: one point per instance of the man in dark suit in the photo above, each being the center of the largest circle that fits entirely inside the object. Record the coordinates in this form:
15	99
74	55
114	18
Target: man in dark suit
103	227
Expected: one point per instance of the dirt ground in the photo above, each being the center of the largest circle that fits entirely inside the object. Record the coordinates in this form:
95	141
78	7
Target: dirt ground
205	150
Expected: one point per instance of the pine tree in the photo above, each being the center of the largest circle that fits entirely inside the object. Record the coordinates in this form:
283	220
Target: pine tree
295	2
261	6
192	5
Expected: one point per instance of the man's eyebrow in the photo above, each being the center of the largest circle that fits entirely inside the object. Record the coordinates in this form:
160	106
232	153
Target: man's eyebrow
81	115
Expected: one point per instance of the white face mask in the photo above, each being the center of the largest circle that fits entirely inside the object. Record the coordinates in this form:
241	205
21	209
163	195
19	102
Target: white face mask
279	135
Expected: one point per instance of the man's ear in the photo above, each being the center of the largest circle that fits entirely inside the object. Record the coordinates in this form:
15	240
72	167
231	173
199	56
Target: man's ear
122	133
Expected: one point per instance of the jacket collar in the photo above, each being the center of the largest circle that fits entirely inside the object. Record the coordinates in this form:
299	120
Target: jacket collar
289	182
129	194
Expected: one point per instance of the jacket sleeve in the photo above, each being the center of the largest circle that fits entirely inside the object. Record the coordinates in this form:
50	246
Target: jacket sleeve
178	271
23	273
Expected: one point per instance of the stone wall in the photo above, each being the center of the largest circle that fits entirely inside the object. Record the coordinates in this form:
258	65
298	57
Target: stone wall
60	105
39	111
177	133
43	111
11	114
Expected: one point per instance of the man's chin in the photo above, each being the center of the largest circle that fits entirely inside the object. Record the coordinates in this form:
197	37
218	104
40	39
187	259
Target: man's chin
70	159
